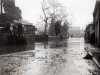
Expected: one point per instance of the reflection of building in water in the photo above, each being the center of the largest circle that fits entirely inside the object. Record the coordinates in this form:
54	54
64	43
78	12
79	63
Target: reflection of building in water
75	32
18	48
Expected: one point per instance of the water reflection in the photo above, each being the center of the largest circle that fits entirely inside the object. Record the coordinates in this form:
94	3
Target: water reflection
51	45
51	58
58	44
34	46
14	49
45	45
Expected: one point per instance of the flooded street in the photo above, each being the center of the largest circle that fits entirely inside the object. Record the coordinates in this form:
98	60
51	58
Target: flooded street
49	37
52	58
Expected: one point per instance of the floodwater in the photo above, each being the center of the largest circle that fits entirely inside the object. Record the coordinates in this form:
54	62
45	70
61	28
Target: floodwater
49	58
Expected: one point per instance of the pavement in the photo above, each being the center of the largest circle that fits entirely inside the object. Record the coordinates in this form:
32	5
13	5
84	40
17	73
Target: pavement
95	52
48	58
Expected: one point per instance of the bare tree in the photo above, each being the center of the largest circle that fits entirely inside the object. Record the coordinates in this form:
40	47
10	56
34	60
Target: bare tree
53	11
44	9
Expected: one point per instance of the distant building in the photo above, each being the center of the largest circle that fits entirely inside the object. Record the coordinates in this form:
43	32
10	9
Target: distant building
75	32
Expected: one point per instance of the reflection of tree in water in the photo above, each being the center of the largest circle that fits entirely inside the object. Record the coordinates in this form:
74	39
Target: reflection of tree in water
45	45
58	44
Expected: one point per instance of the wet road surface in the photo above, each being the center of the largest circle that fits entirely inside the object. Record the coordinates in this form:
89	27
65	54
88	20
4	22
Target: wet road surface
52	58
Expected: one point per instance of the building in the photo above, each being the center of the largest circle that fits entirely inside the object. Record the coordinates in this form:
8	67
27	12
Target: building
89	34
96	23
75	32
16	33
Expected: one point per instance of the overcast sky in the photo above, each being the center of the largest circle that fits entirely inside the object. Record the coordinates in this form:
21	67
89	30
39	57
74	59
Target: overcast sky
80	11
